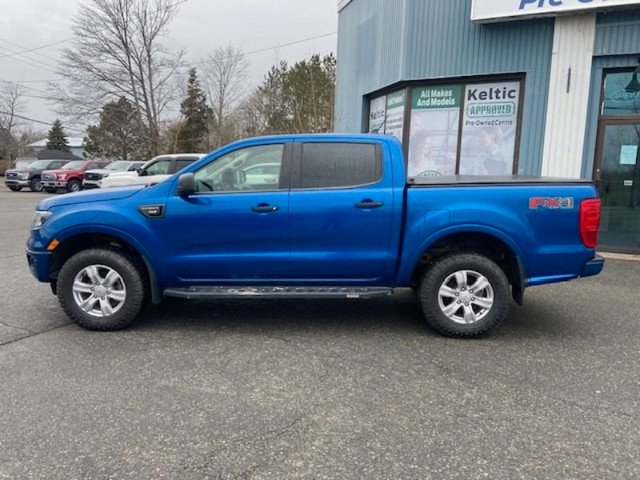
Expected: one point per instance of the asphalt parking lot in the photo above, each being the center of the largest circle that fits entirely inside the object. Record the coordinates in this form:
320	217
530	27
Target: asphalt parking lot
317	389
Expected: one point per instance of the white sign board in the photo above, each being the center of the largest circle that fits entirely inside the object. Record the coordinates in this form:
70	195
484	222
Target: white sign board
496	10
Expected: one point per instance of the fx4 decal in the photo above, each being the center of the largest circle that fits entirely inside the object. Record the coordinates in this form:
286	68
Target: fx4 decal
551	202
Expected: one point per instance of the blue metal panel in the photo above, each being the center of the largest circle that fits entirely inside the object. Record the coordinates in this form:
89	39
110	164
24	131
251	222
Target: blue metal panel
431	39
618	33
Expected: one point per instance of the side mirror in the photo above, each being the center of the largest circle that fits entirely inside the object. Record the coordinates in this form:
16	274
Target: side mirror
186	185
141	171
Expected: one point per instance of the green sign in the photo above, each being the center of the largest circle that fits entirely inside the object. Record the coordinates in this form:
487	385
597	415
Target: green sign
436	97
395	100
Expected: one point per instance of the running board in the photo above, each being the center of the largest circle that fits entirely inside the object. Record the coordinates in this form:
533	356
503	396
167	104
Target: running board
278	292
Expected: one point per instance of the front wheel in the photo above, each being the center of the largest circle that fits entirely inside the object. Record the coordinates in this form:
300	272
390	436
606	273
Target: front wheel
101	289
464	295
50	190
35	185
74	186
14	188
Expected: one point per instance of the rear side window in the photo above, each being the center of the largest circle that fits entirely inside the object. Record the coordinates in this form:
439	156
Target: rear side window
334	165
183	162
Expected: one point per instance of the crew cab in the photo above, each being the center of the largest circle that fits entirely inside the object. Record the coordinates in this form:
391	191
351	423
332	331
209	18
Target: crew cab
342	220
70	176
154	171
93	178
18	178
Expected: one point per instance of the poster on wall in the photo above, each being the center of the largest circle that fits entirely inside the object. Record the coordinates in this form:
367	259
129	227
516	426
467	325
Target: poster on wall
435	118
377	114
395	115
489	128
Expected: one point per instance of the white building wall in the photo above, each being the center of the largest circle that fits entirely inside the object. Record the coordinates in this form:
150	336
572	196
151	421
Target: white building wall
568	101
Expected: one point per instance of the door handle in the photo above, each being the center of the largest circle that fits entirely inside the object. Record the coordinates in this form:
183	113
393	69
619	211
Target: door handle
369	204
264	208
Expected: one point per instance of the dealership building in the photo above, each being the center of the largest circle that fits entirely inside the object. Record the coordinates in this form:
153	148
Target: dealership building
485	87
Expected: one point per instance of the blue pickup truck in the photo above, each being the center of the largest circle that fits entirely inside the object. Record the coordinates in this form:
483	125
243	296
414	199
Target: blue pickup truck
315	216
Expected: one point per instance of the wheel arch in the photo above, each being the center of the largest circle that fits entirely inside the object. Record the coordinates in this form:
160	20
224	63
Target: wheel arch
486	241
74	242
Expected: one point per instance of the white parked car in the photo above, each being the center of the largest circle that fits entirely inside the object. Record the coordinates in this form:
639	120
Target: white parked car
154	171
93	178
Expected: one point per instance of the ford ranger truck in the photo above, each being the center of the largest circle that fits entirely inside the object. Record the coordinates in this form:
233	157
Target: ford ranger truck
340	221
70	176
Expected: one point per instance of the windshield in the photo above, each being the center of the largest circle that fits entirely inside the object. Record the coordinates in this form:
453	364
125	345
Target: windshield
119	166
74	165
38	165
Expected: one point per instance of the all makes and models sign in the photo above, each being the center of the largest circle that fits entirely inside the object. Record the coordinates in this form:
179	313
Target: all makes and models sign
495	10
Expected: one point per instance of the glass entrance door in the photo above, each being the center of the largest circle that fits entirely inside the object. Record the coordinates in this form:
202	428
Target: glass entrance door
618	177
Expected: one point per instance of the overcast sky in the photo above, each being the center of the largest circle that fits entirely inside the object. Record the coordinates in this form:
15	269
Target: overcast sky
199	27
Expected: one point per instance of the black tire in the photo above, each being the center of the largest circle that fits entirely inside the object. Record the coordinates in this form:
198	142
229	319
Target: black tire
484	309
35	185
14	188
131	280
74	186
50	190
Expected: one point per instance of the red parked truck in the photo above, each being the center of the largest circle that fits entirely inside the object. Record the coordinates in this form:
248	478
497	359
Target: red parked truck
70	176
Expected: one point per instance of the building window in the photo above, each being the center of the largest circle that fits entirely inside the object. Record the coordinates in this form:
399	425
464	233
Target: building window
467	128
621	94
386	114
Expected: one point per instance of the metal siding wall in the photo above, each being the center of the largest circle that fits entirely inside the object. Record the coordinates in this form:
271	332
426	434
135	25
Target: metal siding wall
618	33
440	41
371	30
568	95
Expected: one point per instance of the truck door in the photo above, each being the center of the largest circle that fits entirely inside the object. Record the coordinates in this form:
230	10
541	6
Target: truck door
341	212
231	230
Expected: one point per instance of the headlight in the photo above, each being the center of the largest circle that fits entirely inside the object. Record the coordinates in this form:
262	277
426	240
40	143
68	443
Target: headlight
62	176
24	176
105	175
39	218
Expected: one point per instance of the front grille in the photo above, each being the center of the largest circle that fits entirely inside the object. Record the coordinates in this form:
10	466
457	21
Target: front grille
92	176
48	176
12	175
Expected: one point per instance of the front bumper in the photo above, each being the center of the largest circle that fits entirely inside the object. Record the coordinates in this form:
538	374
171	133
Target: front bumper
52	184
16	183
593	267
92	184
39	264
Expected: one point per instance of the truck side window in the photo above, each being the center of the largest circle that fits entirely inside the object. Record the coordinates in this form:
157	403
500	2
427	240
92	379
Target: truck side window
161	167
333	165
252	168
183	162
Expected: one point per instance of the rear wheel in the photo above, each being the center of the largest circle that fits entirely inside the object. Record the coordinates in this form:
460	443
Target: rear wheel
35	185
14	188
74	186
464	295
101	289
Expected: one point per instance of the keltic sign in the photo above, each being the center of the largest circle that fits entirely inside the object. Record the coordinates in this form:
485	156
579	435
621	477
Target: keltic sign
496	10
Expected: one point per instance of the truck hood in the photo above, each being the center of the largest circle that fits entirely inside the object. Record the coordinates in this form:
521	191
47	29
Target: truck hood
89	196
60	171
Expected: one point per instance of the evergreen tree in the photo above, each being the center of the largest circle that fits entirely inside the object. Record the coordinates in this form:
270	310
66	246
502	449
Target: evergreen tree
118	134
197	117
56	139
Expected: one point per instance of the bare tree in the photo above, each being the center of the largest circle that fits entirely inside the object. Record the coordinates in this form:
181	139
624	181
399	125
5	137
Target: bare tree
12	104
225	72
117	53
